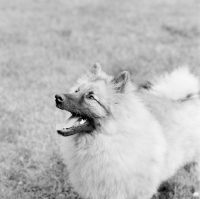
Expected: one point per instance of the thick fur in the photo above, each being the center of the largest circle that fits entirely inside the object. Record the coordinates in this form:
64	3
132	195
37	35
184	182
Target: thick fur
143	140
180	84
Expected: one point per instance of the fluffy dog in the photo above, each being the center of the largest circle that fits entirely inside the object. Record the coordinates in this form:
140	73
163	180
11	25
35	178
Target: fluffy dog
122	142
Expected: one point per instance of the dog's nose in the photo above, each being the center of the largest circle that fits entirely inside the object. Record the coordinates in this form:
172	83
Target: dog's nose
60	98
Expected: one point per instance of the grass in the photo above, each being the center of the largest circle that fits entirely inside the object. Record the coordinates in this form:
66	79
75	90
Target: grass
45	45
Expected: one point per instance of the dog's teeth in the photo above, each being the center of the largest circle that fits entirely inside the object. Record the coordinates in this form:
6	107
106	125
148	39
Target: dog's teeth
82	121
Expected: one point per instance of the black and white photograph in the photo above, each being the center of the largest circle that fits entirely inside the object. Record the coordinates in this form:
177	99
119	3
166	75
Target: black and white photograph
99	99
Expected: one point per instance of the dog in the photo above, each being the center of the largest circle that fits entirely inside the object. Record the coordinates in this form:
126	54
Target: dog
122	141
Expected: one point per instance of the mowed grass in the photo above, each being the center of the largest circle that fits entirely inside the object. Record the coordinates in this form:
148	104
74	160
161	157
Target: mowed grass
45	45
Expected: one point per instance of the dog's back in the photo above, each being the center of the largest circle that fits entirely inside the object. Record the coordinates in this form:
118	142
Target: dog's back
181	129
174	99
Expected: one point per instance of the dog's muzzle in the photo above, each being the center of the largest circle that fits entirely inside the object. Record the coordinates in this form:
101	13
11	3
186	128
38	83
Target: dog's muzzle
79	122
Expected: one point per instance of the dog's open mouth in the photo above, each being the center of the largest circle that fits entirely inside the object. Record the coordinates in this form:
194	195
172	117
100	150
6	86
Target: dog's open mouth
75	124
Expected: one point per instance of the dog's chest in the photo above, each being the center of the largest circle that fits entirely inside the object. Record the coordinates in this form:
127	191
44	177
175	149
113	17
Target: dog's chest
95	169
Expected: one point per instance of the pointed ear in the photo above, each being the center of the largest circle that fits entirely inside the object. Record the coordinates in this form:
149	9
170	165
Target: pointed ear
121	80
96	68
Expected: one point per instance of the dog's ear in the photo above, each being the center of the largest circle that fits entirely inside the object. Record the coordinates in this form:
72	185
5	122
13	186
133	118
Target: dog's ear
96	68
121	80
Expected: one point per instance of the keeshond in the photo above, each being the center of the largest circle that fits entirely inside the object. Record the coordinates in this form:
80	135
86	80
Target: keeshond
122	141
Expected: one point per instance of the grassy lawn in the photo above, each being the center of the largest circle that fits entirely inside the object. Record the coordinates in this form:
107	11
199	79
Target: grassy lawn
45	45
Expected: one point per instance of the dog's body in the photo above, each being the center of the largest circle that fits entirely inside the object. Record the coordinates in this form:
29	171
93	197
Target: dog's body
140	137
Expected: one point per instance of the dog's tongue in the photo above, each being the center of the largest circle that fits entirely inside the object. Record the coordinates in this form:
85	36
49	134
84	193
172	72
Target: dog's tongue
68	123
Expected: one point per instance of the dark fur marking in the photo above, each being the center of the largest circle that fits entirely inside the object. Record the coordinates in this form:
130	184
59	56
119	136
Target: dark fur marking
186	98
189	96
91	93
107	111
146	85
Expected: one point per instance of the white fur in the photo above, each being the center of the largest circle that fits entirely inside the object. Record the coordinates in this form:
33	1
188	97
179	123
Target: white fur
177	84
145	141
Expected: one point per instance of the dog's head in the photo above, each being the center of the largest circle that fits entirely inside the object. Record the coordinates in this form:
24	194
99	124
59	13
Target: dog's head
91	101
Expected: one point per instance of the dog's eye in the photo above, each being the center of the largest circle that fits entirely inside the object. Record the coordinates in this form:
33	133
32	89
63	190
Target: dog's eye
91	97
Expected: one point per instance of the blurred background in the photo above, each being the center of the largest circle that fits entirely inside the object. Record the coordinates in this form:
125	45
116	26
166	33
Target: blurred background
45	45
